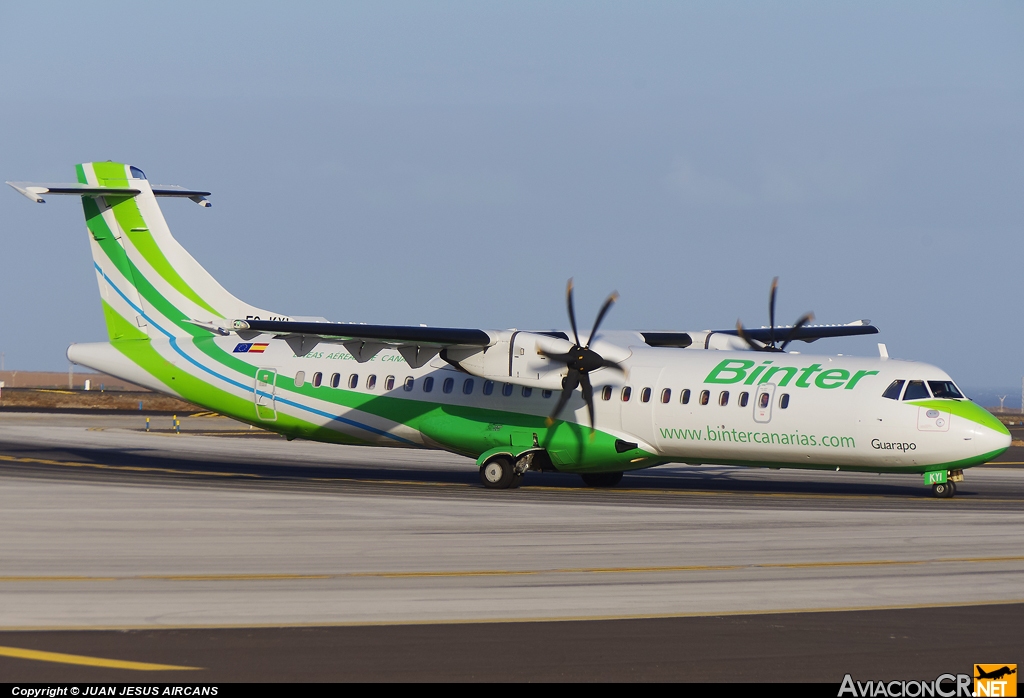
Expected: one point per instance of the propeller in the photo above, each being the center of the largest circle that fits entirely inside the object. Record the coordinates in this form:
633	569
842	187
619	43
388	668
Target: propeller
581	360
772	343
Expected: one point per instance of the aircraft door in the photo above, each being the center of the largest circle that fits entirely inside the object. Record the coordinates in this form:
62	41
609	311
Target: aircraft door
265	394
763	399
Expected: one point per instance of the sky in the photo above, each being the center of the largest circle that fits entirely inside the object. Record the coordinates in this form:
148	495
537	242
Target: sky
455	163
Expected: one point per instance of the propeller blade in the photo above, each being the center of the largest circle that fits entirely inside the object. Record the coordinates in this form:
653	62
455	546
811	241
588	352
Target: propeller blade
572	312
743	335
809	317
588	397
562	358
608	363
600	316
569	384
771	310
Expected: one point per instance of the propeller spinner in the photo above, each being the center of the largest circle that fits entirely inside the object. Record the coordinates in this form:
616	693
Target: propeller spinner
581	360
770	345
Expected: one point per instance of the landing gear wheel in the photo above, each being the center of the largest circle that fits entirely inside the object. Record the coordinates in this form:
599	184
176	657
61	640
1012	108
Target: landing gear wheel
497	474
944	490
602	479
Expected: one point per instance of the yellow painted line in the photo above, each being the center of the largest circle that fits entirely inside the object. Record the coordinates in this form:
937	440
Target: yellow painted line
421	574
131	468
225	577
56	578
513	619
82	660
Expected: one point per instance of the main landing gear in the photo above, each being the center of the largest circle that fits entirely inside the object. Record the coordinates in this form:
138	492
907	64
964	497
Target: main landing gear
944	490
502	474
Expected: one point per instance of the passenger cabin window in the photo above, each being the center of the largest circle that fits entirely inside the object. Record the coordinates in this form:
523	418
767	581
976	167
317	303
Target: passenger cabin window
467	386
916	390
335	380
527	392
371	382
488	387
606	392
545	393
666	396
784	401
705	397
645	395
507	389
448	384
626	393
894	389
409	384
684	397
945	389
389	383
300	378
353	381
318	378
428	384
744	398
763	399
723	398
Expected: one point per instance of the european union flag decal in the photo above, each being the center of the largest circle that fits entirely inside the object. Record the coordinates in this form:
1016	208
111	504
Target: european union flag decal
242	348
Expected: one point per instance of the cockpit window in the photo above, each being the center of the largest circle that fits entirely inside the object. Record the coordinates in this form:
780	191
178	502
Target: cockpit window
893	391
945	389
136	172
916	390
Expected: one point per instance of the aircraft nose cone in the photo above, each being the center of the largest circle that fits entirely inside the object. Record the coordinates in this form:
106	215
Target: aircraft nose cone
992	442
999	441
987	434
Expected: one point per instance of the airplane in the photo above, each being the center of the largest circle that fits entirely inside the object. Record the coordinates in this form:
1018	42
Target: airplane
995	674
626	399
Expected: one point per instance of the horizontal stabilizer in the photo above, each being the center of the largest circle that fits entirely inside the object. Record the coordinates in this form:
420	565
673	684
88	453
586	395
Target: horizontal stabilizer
36	190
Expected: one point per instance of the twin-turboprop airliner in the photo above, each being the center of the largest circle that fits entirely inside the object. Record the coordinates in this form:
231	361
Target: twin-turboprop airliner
596	405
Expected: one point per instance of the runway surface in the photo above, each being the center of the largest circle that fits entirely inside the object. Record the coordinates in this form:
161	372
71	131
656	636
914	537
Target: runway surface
185	537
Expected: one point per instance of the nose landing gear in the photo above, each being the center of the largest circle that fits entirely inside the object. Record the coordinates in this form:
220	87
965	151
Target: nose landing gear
943	482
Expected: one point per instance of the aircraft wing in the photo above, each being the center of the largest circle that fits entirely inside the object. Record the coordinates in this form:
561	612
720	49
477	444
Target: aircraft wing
807	333
705	339
417	344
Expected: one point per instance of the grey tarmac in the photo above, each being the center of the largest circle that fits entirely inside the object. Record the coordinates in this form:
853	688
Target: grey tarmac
911	644
207	536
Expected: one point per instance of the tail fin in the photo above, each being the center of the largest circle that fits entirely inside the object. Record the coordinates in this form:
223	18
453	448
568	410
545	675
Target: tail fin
150	285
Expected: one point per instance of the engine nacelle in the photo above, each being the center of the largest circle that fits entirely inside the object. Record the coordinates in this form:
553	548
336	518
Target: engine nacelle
718	340
517	357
